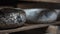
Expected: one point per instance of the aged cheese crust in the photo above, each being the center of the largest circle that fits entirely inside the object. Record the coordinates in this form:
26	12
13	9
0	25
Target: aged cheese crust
11	17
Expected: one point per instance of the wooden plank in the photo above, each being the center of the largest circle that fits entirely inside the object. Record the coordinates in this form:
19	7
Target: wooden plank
38	5
52	1
27	27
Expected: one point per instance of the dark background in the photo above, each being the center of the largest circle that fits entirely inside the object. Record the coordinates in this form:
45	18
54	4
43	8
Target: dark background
8	2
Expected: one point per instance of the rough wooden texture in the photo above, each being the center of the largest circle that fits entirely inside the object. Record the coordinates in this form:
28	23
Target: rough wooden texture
53	1
25	5
27	27
33	31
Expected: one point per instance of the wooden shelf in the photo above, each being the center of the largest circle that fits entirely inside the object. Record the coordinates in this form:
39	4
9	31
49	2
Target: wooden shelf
26	27
52	1
29	27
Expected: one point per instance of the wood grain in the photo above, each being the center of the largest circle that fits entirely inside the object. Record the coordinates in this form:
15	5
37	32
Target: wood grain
27	27
53	1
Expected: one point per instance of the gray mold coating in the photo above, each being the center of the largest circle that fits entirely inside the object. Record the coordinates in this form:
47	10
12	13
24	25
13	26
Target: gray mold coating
12	16
41	15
